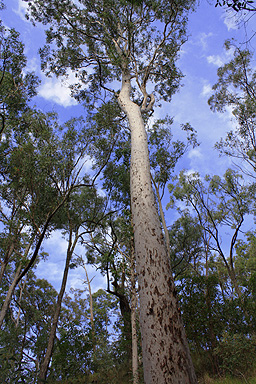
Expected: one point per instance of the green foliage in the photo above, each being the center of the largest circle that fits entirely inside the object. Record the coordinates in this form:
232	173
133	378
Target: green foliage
164	152
230	351
235	89
16	89
186	244
215	281
110	44
24	335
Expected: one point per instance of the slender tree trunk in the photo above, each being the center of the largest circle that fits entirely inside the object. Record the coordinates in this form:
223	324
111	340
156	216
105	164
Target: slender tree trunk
9	295
166	233
166	356
91	309
135	366
47	358
212	336
13	286
6	260
20	297
232	275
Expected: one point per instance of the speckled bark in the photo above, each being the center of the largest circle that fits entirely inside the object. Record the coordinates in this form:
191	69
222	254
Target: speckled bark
166	357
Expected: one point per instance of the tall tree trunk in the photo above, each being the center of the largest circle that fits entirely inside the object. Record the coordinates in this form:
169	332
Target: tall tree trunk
88	281
166	356
135	366
47	358
9	295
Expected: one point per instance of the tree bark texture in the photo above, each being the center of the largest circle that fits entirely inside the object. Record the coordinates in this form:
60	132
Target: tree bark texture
135	363
166	356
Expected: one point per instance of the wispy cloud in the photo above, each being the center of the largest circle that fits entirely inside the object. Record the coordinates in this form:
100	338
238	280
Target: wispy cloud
216	60
57	90
52	269
21	10
203	39
230	19
195	153
207	90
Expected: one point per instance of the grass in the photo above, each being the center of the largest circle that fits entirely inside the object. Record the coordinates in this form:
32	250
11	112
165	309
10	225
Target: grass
235	381
229	380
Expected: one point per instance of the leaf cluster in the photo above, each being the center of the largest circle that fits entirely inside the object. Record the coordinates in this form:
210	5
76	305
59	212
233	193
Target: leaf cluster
98	41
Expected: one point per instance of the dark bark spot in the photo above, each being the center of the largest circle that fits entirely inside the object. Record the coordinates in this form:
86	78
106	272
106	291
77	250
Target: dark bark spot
170	354
156	291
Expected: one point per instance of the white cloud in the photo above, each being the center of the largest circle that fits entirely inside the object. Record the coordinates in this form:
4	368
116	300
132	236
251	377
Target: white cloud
203	39
77	279
230	19
224	57
207	90
57	90
52	268
33	65
228	118
85	164
216	60
57	241
195	153
21	10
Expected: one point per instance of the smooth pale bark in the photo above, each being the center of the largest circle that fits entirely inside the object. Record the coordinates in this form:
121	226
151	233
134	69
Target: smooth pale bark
47	358
9	295
22	287
166	356
135	365
91	308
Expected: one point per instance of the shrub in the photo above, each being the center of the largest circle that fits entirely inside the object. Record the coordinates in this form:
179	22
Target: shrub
236	354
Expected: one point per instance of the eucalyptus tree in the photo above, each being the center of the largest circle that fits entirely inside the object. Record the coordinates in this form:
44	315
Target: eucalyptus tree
186	245
23	343
16	87
16	90
235	90
218	203
130	47
42	169
84	210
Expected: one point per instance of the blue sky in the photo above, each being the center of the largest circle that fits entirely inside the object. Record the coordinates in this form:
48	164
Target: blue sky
200	57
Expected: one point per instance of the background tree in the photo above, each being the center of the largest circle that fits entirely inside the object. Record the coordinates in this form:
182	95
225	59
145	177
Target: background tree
220	203
84	210
236	89
214	214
